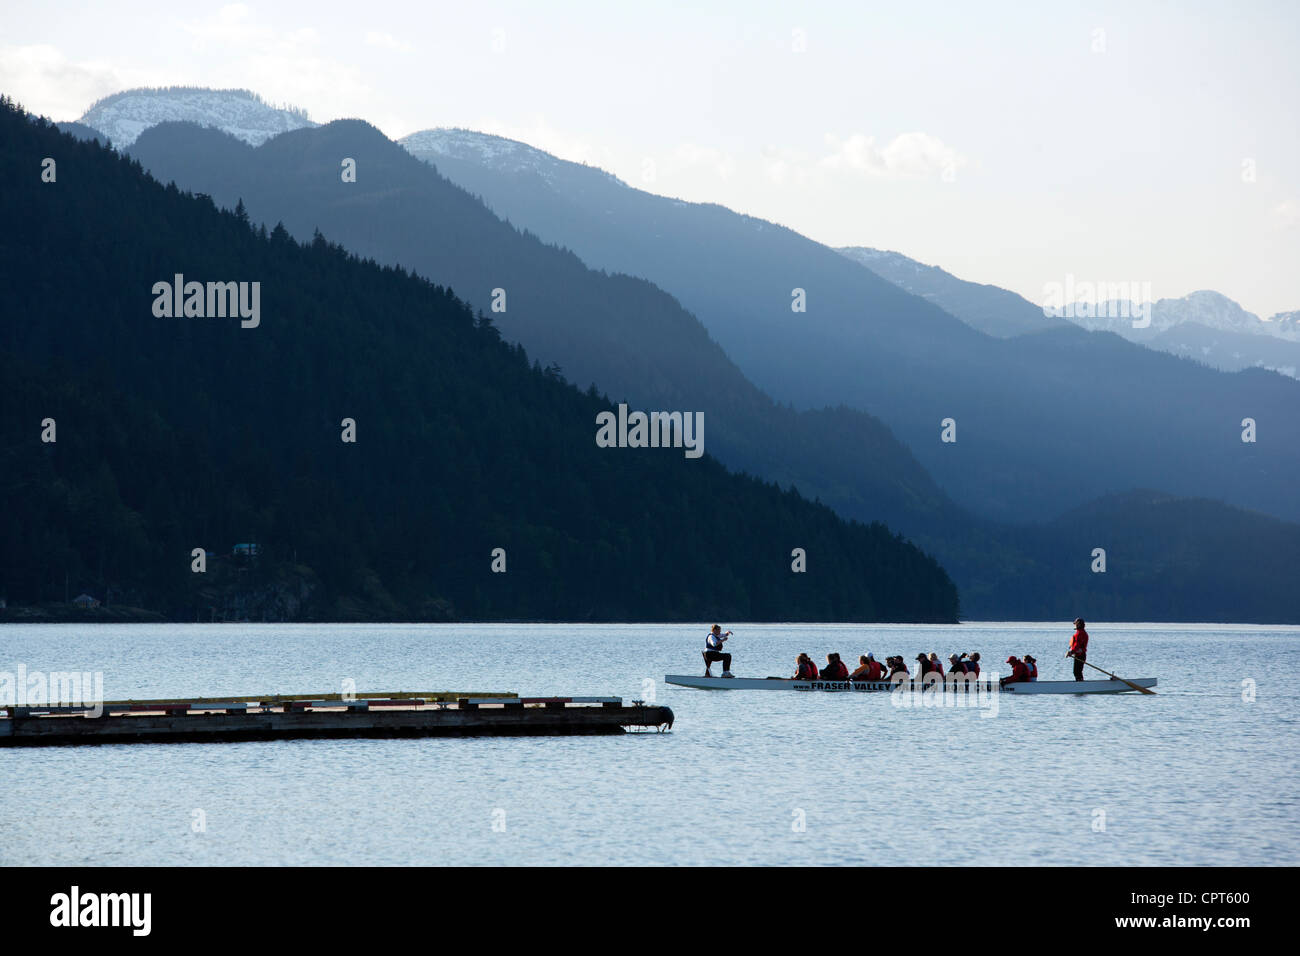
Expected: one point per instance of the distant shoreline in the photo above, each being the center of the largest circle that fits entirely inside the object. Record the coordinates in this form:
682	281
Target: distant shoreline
61	614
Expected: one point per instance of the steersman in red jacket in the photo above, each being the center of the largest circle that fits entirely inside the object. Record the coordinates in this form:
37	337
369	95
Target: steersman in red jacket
1078	648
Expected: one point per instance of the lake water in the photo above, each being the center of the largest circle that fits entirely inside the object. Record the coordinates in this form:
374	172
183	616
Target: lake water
1201	774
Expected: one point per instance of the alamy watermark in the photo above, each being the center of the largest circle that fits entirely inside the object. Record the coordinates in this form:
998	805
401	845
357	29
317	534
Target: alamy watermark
24	688
1096	300
127	910
212	300
652	430
952	690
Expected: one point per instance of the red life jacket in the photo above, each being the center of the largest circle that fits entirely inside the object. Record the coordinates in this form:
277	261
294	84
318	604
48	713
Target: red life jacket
836	671
806	671
1079	643
1019	672
973	667
874	670
1032	670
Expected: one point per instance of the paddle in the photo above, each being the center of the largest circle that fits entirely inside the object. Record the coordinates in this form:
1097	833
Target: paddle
1145	690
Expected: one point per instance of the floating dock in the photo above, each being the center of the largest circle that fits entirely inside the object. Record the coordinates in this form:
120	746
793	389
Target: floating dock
406	714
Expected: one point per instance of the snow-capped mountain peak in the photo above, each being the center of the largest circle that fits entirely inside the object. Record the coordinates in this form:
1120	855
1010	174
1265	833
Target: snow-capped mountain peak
492	152
1217	311
987	308
124	116
865	254
1206	307
1286	325
1208	327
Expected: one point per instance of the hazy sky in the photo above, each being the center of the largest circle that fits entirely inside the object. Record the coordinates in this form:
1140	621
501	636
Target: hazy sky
1010	143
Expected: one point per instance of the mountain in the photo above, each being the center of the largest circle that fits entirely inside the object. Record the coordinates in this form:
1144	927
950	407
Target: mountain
506	155
644	347
1208	309
1229	351
622	334
985	307
81	131
1205	326
177	433
1286	325
1045	422
1164	560
124	116
1168	559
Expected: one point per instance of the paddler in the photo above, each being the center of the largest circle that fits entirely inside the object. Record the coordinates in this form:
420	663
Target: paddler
1031	666
1078	648
868	668
835	668
1019	673
935	665
804	668
713	651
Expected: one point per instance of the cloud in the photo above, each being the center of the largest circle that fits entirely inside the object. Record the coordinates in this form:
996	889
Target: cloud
786	167
234	47
1287	214
43	80
242	49
387	41
693	156
540	134
908	155
234	27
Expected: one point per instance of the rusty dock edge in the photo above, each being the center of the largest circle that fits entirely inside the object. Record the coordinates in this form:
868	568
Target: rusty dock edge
190	722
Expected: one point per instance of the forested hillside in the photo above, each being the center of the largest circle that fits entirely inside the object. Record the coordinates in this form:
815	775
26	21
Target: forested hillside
630	338
635	341
182	433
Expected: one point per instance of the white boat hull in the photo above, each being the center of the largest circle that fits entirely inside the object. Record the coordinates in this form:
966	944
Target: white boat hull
867	687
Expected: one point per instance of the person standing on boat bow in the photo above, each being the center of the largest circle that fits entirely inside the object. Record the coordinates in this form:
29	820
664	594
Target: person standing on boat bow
1078	648
713	651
